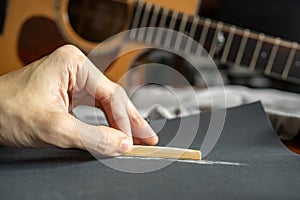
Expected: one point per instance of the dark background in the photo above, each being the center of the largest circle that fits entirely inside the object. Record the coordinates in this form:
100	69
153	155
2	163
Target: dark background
273	17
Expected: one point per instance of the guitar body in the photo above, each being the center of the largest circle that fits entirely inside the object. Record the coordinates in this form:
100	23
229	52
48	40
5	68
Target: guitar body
18	12
34	28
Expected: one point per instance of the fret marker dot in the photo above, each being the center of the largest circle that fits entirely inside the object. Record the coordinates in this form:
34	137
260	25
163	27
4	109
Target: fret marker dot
221	39
264	54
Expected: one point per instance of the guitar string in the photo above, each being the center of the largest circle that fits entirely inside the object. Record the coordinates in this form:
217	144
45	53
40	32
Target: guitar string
272	56
242	47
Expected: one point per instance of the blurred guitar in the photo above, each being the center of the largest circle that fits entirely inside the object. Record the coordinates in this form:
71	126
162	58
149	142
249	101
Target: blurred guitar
34	28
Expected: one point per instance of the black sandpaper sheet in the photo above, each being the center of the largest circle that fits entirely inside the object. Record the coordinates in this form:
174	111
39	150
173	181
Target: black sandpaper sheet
269	170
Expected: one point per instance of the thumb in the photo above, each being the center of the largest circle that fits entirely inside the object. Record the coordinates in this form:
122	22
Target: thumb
102	140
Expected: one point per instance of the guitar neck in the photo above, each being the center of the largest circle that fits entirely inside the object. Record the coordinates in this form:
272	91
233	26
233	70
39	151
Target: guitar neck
226	44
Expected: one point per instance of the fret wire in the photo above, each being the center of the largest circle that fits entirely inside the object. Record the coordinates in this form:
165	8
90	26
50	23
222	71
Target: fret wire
289	62
161	24
171	26
181	30
204	31
242	47
195	23
215	39
257	49
152	23
154	16
136	17
146	15
253	35
173	19
228	44
272	56
183	22
143	15
141	20
144	21
203	36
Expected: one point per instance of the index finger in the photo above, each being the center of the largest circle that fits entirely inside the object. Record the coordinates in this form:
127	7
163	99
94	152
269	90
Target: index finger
141	130
112	97
120	111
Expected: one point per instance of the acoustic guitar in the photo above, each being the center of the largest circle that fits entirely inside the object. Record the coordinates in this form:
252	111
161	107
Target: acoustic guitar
34	28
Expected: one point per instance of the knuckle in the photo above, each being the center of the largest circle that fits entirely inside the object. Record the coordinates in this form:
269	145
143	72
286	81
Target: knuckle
109	95
112	93
104	145
67	49
137	120
119	117
116	89
117	94
67	55
119	90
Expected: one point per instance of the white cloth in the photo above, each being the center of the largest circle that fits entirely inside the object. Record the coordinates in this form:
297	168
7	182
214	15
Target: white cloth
283	108
157	102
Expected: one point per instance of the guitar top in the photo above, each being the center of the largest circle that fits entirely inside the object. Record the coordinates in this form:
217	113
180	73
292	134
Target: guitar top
32	29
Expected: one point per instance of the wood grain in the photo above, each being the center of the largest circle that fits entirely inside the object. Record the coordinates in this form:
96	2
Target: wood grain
18	12
164	152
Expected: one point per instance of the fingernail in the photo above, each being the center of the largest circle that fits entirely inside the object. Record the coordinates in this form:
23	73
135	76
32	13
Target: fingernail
125	144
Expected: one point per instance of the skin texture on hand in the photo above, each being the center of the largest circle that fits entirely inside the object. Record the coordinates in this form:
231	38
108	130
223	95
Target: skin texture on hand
36	101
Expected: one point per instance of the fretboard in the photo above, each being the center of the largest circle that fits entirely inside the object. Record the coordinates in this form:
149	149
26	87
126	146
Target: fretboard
226	44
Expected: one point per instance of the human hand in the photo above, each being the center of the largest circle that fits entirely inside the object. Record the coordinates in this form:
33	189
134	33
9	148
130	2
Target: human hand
36	101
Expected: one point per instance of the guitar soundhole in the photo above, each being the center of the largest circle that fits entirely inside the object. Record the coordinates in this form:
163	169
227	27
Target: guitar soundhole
38	37
97	20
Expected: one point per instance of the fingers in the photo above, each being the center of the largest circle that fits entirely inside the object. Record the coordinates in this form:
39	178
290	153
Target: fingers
85	80
120	112
68	132
103	140
110	95
141	130
123	115
116	110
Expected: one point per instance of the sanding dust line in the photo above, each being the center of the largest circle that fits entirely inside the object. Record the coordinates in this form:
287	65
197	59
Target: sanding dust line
199	162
